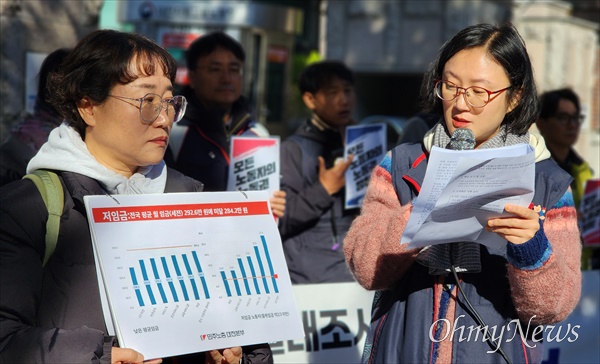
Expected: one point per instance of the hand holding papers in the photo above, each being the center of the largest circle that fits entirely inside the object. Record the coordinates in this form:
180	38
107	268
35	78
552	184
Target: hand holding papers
463	189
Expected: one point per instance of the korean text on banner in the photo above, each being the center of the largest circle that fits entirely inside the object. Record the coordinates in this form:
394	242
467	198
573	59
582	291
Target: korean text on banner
187	272
367	143
254	164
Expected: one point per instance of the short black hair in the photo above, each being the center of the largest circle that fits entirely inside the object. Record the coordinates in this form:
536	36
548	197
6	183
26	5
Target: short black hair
206	44
99	61
318	75
549	101
505	45
50	64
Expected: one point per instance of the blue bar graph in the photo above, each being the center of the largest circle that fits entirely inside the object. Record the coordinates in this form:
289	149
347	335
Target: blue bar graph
236	283
136	287
263	275
202	279
262	269
190	276
180	278
253	272
245	278
169	279
270	263
147	282
224	277
163	296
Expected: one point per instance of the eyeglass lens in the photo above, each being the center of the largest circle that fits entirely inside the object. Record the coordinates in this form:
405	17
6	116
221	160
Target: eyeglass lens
567	118
152	105
475	96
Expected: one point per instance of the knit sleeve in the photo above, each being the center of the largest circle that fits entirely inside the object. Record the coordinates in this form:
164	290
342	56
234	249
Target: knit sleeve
372	245
549	264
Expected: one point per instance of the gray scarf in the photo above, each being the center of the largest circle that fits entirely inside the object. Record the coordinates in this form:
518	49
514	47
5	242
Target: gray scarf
502	138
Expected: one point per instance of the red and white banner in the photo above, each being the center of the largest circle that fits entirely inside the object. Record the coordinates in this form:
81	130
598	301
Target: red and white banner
590	213
254	164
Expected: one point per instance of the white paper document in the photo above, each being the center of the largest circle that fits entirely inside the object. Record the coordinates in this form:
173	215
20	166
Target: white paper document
463	189
189	272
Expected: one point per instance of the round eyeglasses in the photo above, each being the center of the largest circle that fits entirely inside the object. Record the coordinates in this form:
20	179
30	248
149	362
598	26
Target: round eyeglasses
475	96
151	106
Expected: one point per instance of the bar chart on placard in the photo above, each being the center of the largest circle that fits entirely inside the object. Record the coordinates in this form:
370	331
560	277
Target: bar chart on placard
179	275
165	274
252	275
188	272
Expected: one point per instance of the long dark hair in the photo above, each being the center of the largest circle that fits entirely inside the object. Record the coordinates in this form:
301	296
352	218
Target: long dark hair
505	46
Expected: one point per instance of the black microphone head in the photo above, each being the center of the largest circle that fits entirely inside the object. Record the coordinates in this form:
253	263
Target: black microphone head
462	139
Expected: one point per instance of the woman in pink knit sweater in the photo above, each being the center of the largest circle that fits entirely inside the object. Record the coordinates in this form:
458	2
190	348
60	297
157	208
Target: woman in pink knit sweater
482	80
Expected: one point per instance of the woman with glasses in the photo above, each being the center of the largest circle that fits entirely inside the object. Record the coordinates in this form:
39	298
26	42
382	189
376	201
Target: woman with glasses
482	80
115	92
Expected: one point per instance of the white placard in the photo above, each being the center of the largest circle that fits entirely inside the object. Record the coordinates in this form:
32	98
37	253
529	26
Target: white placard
336	320
254	164
33	63
189	272
367	143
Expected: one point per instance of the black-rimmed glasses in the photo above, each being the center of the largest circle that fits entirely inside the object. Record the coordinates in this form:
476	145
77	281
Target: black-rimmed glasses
475	96
151	106
565	119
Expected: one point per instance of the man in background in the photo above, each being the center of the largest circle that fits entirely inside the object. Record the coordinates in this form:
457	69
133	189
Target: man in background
199	144
216	111
312	168
559	123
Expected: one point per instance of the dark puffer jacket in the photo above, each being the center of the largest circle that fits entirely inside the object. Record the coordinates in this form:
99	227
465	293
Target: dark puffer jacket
53	314
314	221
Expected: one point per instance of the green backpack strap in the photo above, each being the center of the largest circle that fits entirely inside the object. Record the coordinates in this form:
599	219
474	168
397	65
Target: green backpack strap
51	190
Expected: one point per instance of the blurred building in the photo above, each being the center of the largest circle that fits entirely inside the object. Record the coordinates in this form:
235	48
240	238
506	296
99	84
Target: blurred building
388	43
30	30
266	29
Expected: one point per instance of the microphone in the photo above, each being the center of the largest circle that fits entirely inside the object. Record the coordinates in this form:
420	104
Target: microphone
465	256
462	139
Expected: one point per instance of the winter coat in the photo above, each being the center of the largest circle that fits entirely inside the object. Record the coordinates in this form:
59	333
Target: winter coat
315	223
412	318
53	313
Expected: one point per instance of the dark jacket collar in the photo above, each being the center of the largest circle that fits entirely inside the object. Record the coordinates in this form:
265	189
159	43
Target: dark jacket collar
212	119
312	131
